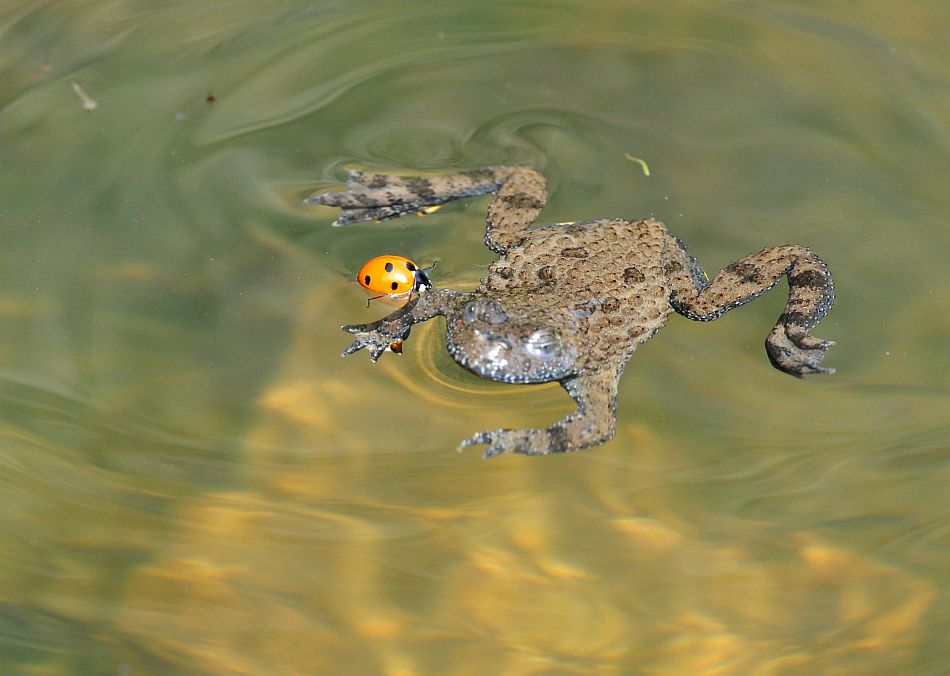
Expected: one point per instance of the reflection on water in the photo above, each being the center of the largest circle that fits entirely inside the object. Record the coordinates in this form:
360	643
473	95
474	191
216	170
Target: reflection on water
192	480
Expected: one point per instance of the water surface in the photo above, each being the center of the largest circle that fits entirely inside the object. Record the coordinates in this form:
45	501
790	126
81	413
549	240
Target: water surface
192	480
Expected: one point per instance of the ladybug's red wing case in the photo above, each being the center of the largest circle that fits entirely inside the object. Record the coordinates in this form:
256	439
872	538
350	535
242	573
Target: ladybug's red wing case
389	274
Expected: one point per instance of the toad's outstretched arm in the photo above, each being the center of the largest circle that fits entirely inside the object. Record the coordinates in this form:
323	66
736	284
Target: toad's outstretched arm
381	334
520	193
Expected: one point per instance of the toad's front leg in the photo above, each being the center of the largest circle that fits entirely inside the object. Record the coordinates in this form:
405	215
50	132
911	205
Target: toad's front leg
380	335
594	422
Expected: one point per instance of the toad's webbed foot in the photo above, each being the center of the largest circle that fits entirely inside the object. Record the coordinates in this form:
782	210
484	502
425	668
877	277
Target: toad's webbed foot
796	352
383	334
376	338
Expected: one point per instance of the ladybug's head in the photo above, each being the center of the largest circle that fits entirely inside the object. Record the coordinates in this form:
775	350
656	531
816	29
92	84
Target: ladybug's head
510	342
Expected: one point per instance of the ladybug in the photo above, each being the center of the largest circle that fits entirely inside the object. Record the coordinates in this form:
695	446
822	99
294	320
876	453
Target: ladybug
393	276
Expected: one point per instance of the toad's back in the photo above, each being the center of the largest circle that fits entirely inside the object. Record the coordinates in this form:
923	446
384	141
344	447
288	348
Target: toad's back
614	277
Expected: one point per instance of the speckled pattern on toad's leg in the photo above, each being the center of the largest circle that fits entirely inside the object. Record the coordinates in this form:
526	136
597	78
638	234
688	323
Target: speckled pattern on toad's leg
378	336
594	422
379	197
516	206
810	295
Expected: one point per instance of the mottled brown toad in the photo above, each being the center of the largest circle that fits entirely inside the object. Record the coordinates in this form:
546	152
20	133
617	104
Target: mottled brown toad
572	302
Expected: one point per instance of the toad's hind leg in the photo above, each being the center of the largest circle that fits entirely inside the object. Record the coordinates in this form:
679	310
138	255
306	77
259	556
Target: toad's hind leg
810	294
593	423
520	195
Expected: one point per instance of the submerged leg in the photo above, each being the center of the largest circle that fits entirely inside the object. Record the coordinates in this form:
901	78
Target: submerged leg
520	195
810	294
594	422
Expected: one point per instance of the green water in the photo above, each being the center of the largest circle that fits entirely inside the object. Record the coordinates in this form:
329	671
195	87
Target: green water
193	481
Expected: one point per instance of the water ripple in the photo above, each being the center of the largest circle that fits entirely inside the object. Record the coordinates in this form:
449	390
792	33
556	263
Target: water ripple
434	379
107	447
280	90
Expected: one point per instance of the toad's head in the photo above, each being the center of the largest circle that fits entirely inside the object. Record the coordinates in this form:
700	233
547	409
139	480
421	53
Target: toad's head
512	341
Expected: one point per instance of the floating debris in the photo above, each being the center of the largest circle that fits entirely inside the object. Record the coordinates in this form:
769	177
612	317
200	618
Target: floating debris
642	163
88	103
211	99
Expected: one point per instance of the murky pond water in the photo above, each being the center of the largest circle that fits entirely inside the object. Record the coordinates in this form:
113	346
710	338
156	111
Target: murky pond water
193	481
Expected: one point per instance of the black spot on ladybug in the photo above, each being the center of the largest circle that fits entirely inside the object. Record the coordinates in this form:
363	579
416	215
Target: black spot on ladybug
410	266
366	280
389	267
394	285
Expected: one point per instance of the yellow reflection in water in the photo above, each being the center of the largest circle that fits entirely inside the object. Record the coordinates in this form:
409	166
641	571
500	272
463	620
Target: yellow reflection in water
321	572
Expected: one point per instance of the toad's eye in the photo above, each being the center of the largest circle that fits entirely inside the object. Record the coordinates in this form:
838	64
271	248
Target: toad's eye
488	311
543	344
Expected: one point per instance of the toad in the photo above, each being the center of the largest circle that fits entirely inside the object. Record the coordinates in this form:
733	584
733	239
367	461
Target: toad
571	302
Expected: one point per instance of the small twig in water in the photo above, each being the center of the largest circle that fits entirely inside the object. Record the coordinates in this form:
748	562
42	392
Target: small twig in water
642	163
88	103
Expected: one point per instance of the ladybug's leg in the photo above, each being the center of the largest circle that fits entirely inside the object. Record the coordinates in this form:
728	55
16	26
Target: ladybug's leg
520	195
